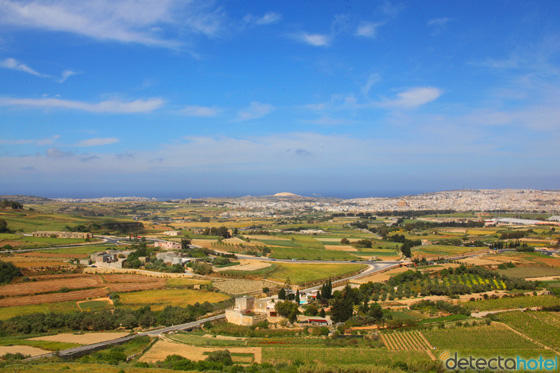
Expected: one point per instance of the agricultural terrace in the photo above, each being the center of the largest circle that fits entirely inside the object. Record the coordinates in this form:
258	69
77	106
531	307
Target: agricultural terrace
159	299
300	273
543	327
484	341
510	303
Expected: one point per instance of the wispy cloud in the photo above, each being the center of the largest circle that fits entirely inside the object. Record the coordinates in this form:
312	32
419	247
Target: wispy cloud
132	21
439	21
413	98
46	141
254	111
329	121
370	82
368	29
66	74
11	63
316	40
265	20
108	106
199	111
57	153
98	141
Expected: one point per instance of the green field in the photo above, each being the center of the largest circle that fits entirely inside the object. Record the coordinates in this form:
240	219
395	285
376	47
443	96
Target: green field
158	299
64	307
301	273
198	340
541	326
443	250
310	254
512	303
530	271
45	345
83	249
487	340
357	358
95	305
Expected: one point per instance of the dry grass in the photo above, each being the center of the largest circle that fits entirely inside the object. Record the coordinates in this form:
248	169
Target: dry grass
24	350
340	247
162	349
27	288
158	299
380	277
82	339
53	298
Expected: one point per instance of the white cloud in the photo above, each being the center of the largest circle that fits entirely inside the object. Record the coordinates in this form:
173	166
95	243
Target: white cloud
199	111
438	22
317	40
108	106
98	141
45	141
413	97
329	121
265	20
10	63
371	81
254	111
66	74
131	21
368	29
57	153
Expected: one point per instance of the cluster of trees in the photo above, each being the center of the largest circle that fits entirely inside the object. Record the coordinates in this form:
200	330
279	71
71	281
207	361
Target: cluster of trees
221	232
103	320
83	228
513	235
407	245
8	272
454	309
11	204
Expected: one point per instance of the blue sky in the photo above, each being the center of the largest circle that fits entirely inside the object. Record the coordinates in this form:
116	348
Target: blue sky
199	98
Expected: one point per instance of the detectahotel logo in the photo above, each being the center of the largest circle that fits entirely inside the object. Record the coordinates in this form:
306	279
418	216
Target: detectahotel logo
455	362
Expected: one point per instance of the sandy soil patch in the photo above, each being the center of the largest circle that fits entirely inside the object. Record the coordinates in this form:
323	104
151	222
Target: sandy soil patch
234	240
547	278
341	247
24	350
380	277
250	266
83	339
333	239
162	349
203	243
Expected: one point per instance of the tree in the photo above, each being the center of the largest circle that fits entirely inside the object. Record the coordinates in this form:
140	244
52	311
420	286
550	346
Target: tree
282	294
288	310
297	297
344	241
341	309
4	226
322	313
185	243
8	271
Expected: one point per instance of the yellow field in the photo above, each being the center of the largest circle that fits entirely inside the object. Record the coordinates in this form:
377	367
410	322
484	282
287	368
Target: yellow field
158	299
186	282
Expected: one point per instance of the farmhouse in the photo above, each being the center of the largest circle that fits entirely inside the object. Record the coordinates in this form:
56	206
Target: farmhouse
172	233
58	234
249	311
109	258
168	245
